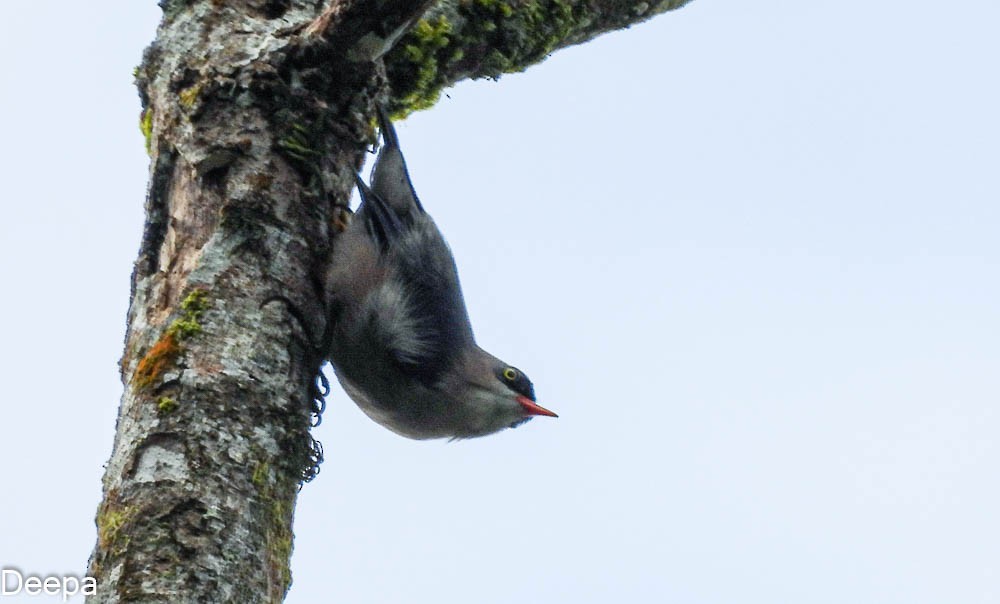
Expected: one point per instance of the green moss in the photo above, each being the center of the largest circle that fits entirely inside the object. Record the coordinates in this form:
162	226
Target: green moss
189	95
296	148
164	353
192	307
296	143
279	542
421	47
146	127
276	518
196	301
165	405
260	473
111	518
185	328
496	37
303	143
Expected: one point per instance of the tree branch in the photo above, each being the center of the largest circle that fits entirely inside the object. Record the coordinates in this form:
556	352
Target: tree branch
461	39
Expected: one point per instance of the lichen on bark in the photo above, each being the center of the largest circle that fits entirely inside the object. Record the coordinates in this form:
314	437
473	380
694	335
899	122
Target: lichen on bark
167	350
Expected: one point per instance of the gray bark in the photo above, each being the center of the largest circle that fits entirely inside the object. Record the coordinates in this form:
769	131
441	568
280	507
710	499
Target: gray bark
257	115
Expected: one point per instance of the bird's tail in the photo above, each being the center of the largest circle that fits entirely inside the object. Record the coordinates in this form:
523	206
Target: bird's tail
390	179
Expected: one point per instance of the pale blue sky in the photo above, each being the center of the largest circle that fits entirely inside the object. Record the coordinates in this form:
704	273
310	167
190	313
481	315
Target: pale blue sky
748	251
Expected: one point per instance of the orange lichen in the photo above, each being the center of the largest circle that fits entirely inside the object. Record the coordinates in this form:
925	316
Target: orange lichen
162	356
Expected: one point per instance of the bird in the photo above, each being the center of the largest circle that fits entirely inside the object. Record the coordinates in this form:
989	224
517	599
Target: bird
400	340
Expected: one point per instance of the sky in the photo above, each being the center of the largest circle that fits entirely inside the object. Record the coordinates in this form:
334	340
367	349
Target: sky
748	251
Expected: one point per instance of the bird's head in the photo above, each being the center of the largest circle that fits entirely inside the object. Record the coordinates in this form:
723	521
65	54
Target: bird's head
498	396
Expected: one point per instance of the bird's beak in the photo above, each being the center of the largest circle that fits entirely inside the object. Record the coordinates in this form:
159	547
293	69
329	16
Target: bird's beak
533	408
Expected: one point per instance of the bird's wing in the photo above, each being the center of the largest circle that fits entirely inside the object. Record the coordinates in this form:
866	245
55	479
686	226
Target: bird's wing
422	318
418	313
383	224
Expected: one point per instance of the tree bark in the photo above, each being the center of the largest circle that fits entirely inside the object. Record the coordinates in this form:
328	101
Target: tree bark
257	115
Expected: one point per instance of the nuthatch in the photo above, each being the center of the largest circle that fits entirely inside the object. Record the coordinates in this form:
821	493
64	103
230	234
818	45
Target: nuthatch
401	343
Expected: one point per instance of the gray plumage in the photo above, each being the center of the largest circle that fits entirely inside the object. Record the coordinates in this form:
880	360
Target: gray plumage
401	344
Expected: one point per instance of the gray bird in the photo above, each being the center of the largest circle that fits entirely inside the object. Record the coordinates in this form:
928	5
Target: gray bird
401	342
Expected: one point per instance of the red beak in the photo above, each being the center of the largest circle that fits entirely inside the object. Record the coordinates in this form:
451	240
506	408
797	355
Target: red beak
533	408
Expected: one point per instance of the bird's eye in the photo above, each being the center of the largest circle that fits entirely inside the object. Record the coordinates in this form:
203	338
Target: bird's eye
510	374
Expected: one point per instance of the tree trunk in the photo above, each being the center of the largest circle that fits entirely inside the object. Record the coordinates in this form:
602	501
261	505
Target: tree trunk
257	114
